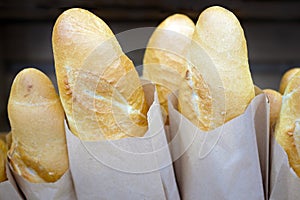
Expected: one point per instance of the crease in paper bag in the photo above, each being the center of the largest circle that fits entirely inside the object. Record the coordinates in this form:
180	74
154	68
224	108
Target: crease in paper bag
230	167
132	168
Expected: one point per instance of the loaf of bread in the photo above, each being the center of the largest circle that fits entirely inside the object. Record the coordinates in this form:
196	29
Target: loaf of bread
3	152
38	151
287	131
275	99
219	86
165	60
99	87
287	76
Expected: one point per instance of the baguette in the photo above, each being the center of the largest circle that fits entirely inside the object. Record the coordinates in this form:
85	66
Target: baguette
219	86
287	131
287	76
38	151
275	99
99	87
165	59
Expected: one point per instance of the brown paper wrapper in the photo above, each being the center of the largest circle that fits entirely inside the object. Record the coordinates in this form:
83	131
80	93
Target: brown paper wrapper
284	183
129	168
230	162
8	188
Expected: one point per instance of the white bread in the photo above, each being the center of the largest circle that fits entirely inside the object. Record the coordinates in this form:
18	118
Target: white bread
165	59
287	76
3	152
287	131
275	99
99	87
220	86
38	151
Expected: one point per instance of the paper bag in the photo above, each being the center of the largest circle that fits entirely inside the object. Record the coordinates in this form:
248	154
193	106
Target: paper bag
223	163
129	168
8	188
62	189
284	183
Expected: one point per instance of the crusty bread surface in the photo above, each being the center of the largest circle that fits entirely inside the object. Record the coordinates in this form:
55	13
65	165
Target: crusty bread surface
219	86
99	87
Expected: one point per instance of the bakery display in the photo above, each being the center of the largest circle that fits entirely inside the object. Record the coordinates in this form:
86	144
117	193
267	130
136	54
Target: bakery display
99	87
38	149
92	132
219	86
165	60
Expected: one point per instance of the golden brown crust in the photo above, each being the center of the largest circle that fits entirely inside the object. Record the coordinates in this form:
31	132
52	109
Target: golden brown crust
287	76
219	49
38	151
3	152
165	57
275	99
286	131
99	87
195	100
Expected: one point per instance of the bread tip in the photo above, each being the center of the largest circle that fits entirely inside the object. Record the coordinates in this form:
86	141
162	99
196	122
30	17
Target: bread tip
72	11
31	86
178	16
287	76
26	78
63	24
179	23
217	15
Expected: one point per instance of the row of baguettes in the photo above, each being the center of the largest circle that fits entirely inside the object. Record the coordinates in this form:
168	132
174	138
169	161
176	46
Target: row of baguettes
101	95
203	63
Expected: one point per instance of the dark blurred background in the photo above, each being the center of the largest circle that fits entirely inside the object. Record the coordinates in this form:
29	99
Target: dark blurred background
272	29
